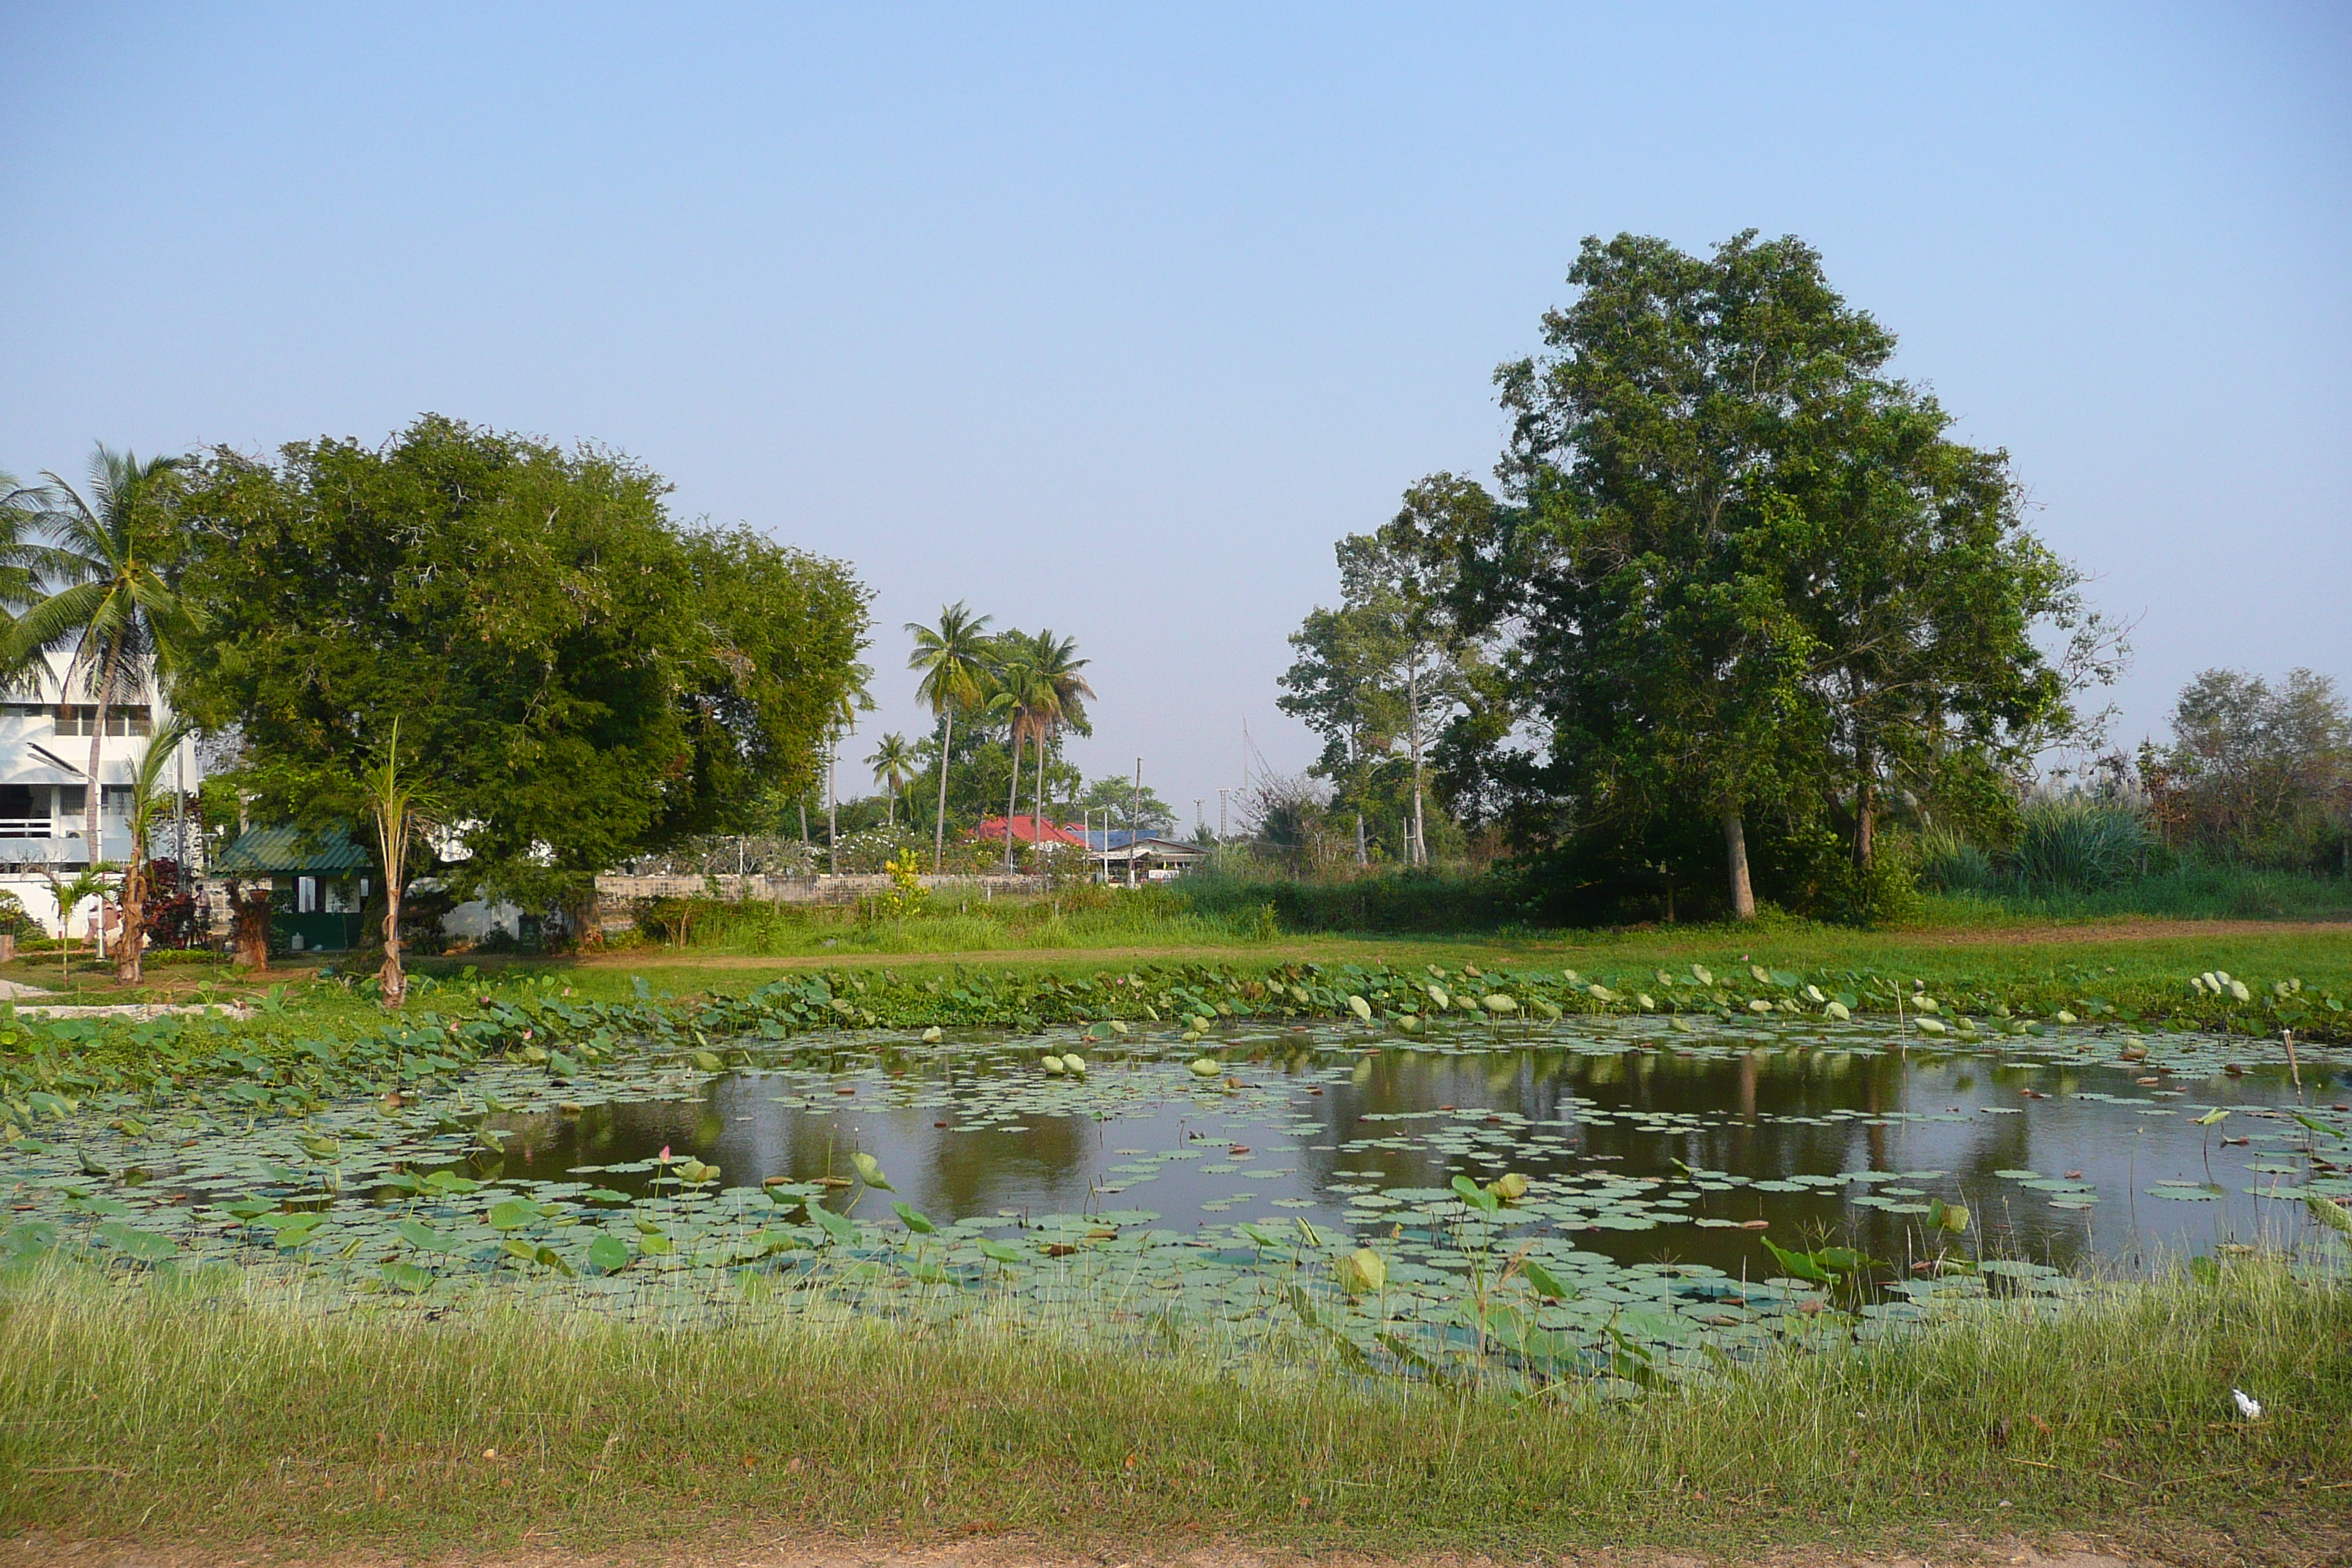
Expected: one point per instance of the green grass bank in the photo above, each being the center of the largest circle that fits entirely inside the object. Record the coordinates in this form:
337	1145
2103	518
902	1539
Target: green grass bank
249	1415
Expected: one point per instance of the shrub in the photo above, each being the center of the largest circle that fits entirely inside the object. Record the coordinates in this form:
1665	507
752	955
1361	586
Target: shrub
1950	864
2076	843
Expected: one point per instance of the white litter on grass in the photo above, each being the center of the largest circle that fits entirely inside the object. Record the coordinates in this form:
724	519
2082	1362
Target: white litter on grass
2249	1407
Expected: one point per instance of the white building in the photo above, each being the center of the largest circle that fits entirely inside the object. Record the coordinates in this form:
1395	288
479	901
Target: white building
45	784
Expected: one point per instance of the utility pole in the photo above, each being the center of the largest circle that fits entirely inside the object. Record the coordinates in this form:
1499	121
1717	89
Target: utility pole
1362	859
1134	821
1200	825
1221	792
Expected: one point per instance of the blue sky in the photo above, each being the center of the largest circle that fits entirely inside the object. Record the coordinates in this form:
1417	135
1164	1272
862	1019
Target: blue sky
1112	320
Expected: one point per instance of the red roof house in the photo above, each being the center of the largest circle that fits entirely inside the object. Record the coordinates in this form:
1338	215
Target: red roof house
1029	830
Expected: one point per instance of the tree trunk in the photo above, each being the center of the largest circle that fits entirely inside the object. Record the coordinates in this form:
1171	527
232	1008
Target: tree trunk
1420	856
832	816
940	823
1012	797
1735	848
98	739
391	979
1865	806
134	910
1037	819
1865	813
249	927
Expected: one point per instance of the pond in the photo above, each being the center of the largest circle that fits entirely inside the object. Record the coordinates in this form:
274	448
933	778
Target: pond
1642	1150
1245	1175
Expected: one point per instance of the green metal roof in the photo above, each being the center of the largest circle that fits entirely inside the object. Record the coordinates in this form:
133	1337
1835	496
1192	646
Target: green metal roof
264	851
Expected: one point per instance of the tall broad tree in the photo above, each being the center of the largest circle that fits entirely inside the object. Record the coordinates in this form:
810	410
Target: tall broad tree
583	680
111	605
954	657
2257	770
1386	670
1736	565
1907	561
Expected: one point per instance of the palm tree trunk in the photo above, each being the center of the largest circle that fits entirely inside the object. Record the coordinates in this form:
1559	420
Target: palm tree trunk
134	898
1735	846
832	816
1038	800
1013	796
98	739
940	823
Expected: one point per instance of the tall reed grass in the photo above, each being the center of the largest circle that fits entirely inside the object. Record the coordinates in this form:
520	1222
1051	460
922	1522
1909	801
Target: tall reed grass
252	1413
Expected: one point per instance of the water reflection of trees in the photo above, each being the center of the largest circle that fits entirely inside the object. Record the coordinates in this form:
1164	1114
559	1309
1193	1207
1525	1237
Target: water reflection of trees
1742	1109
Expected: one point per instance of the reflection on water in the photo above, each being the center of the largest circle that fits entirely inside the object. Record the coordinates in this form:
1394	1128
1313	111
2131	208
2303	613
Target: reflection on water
1645	1149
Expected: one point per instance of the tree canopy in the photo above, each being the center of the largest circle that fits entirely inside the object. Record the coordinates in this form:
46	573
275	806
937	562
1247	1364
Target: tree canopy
1382	677
1736	568
2257	771
578	676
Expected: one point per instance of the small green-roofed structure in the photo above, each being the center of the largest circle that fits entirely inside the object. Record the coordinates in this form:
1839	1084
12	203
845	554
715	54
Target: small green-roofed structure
291	851
319	883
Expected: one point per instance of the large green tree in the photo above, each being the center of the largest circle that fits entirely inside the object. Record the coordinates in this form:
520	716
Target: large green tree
577	678
1386	672
1736	566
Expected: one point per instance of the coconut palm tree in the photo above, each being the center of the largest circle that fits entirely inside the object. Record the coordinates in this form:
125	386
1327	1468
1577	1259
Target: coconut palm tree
1020	695
69	892
113	608
954	659
893	762
148	801
1062	698
22	508
854	698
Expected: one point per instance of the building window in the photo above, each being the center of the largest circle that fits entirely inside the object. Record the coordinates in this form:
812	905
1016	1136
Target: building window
82	720
305	895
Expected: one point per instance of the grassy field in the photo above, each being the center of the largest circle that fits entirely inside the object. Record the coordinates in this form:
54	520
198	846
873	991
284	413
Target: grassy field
252	1417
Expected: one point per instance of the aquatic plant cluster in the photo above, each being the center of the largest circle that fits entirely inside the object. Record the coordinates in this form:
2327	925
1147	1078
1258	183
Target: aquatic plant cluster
380	1165
283	1061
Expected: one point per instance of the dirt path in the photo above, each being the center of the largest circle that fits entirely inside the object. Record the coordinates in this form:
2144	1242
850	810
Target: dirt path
1963	1553
2118	930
